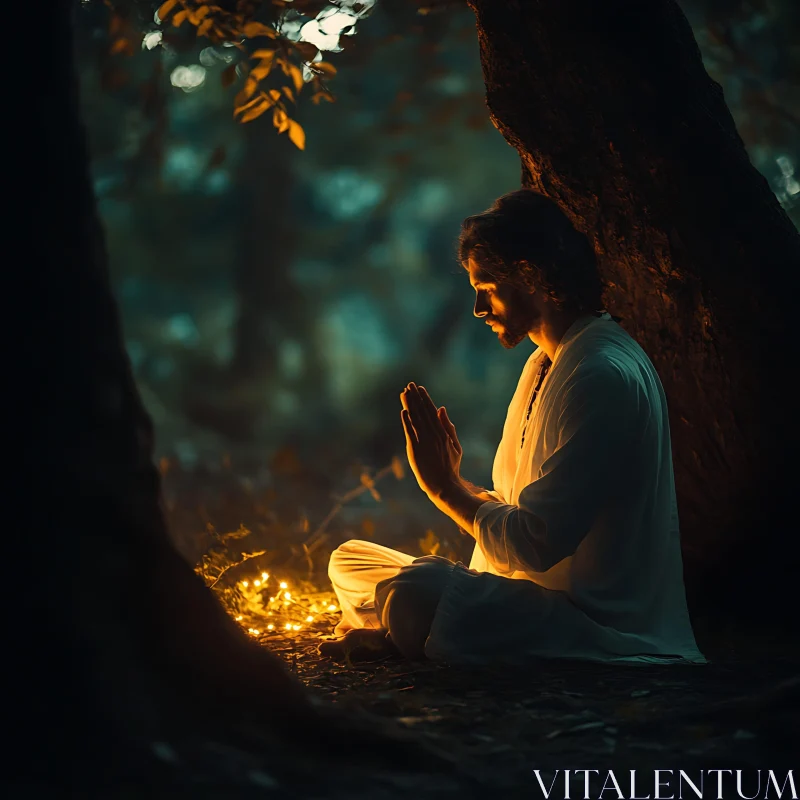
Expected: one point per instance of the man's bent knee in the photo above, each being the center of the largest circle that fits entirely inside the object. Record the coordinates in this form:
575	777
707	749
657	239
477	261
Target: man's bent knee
344	556
407	604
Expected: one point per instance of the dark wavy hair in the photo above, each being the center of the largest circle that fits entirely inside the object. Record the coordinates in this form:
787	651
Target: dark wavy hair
525	239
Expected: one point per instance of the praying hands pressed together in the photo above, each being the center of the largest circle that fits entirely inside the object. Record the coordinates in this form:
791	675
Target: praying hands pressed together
434	455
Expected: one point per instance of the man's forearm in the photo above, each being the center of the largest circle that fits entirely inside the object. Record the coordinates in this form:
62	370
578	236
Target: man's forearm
483	494
461	503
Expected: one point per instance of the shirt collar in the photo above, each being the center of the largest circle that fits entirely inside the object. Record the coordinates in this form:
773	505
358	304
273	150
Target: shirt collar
576	328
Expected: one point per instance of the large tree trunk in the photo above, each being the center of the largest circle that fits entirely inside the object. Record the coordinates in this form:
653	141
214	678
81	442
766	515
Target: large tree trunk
118	644
615	118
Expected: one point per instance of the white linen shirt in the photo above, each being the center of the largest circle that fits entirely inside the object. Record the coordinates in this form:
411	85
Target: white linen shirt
585	524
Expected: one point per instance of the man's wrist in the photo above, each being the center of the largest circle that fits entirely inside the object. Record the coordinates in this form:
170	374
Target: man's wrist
460	504
450	492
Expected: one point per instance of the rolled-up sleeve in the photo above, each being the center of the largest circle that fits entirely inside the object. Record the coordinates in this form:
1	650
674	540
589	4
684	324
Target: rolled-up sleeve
598	421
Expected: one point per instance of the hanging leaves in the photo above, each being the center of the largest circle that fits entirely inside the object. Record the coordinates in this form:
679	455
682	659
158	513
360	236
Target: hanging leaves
253	30
295	58
324	68
166	8
298	137
280	119
256	111
249	89
294	72
262	69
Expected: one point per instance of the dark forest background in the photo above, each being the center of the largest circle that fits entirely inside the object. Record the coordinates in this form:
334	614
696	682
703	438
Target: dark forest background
276	301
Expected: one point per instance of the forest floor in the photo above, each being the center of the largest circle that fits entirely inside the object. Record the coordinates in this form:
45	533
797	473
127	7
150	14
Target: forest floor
742	710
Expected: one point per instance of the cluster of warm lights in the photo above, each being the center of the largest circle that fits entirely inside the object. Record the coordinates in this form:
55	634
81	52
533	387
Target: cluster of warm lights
282	602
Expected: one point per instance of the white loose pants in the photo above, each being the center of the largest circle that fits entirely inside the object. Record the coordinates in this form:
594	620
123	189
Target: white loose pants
381	588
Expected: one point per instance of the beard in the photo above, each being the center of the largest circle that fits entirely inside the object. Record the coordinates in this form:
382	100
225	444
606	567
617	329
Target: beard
517	322
510	337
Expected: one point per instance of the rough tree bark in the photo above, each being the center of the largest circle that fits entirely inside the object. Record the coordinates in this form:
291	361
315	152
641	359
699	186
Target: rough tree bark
119	644
615	118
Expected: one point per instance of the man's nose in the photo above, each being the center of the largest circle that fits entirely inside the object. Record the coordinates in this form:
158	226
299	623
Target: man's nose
481	307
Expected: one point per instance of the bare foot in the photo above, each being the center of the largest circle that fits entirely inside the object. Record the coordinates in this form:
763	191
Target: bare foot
359	645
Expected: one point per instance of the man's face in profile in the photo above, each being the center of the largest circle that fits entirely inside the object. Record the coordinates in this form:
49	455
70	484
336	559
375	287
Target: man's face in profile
509	310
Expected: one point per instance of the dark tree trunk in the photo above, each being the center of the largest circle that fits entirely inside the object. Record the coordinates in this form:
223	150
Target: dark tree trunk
118	643
615	118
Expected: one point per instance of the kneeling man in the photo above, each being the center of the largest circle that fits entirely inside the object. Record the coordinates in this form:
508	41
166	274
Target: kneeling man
577	547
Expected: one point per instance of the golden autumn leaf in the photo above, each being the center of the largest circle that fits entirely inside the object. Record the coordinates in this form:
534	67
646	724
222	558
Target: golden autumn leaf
179	18
165	9
288	92
239	107
324	68
201	13
253	29
262	69
262	98
249	89
259	72
205	26
256	110
297	76
280	119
